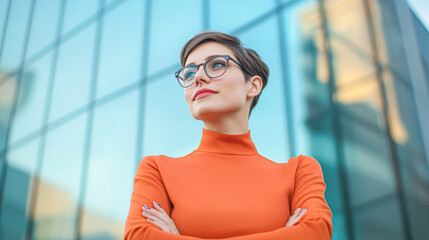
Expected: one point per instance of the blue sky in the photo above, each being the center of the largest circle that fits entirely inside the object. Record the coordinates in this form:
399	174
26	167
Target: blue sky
421	9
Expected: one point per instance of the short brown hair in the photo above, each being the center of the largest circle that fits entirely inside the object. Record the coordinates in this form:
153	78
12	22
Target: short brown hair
245	56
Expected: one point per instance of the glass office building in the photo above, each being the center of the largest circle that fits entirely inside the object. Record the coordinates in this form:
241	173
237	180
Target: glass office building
87	89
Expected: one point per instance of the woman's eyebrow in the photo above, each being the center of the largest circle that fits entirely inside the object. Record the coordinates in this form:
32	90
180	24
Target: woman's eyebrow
210	56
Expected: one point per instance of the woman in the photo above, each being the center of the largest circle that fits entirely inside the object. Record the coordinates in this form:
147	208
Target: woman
225	189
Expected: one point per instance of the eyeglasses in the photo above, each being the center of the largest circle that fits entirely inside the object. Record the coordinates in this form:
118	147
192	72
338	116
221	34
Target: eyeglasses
214	67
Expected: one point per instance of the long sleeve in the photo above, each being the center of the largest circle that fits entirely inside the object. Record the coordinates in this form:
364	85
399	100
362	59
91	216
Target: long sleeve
308	193
148	187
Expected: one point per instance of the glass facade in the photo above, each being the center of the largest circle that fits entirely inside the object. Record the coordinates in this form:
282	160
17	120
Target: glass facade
87	89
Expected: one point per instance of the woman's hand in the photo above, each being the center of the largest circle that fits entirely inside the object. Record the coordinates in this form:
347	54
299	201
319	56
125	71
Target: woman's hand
160	218
296	216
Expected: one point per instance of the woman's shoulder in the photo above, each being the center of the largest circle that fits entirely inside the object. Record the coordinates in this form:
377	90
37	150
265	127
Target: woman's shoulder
158	159
303	161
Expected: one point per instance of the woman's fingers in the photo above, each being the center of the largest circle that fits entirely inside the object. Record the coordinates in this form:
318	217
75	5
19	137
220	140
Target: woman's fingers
160	218
162	213
157	222
299	212
158	212
156	218
171	225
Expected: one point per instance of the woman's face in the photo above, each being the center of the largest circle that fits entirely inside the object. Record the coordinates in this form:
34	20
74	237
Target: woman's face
228	94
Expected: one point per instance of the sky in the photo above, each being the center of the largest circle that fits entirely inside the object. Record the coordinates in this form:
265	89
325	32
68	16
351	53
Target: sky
421	9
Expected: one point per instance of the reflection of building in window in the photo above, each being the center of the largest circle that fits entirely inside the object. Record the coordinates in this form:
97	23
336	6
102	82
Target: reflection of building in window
8	85
7	90
352	60
55	209
358	67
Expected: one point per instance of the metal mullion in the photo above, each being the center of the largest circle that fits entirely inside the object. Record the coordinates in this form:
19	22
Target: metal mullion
338	135
90	108
206	14
416	72
5	28
144	77
287	93
41	150
16	94
393	151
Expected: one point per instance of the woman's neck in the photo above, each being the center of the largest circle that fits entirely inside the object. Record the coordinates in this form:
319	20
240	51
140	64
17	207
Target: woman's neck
227	125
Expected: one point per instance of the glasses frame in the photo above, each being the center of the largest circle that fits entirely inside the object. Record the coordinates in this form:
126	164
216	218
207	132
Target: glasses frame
227	58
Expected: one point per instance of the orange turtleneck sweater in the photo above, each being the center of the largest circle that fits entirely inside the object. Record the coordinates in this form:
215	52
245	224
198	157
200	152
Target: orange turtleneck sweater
225	189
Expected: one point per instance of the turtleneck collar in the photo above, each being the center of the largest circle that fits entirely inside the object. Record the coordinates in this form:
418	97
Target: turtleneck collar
215	142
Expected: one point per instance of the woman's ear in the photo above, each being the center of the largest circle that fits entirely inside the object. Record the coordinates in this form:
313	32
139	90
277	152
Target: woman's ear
255	86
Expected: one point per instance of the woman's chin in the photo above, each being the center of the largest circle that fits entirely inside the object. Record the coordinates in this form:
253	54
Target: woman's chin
203	116
212	114
206	114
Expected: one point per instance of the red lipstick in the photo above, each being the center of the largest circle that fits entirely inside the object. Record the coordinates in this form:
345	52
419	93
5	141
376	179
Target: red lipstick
204	92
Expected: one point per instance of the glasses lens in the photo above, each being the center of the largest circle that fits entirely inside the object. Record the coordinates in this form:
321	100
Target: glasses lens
186	76
216	67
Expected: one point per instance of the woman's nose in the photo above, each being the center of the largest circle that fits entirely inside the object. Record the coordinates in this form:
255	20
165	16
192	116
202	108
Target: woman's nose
201	76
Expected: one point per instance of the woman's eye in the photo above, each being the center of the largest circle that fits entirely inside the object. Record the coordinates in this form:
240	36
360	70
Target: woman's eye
189	74
218	64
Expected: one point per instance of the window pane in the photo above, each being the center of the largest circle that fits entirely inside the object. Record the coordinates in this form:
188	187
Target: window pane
169	129
350	40
111	168
341	15
17	189
120	66
366	143
320	143
339	226
32	97
58	190
7	95
388	37
271	139
232	17
3	10
362	99
78	11
312	110
44	25
109	2
379	220
306	90
367	159
408	138
73	74
171	20
13	47
402	113
309	91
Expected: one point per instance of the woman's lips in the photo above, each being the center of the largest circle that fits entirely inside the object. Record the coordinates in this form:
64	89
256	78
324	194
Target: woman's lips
203	95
